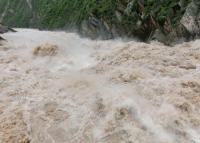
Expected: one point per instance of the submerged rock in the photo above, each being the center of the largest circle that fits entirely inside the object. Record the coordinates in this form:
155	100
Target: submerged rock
45	50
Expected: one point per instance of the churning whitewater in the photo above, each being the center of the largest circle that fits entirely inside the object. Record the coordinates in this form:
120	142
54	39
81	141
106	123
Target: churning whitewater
56	87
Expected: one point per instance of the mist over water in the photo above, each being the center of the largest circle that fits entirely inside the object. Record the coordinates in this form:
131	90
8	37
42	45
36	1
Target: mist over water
92	91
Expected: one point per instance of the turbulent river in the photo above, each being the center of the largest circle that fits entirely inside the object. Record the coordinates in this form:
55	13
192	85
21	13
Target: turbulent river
57	87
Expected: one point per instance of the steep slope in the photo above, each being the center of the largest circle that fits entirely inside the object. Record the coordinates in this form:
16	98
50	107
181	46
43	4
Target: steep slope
103	18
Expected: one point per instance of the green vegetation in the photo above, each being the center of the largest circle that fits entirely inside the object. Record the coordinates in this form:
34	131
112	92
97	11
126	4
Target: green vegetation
20	18
68	13
130	17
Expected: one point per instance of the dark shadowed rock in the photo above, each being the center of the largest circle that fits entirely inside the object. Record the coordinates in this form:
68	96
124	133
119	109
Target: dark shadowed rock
1	38
4	29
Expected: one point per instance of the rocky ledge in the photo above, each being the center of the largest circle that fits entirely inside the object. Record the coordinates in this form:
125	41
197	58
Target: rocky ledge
5	29
168	21
165	21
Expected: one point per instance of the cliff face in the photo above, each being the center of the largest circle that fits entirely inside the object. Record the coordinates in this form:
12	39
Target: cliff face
166	21
191	18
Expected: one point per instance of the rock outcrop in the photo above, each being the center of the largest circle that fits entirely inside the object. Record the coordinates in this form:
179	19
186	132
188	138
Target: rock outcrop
4	29
138	19
1	38
1	31
166	21
191	18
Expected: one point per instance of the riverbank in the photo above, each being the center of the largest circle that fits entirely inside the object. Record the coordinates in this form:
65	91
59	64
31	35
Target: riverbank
57	87
169	21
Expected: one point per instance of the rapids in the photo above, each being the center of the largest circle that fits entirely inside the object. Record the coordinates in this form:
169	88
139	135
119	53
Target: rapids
92	91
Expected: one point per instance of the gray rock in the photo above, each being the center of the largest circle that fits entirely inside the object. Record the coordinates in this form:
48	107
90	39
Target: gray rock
197	2
1	38
191	18
118	16
95	28
4	29
158	35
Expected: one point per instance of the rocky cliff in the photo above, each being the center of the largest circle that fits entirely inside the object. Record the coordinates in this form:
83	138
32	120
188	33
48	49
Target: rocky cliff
167	21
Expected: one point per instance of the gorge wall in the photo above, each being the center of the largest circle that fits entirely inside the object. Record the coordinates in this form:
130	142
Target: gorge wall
167	21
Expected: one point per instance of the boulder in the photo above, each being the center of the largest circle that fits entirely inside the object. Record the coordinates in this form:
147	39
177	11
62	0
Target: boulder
4	29
1	38
95	28
191	18
45	50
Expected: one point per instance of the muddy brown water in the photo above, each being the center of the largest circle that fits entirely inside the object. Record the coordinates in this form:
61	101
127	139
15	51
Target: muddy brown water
97	91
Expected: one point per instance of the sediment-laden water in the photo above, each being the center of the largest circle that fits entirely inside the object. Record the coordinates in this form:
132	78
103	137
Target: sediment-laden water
56	87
